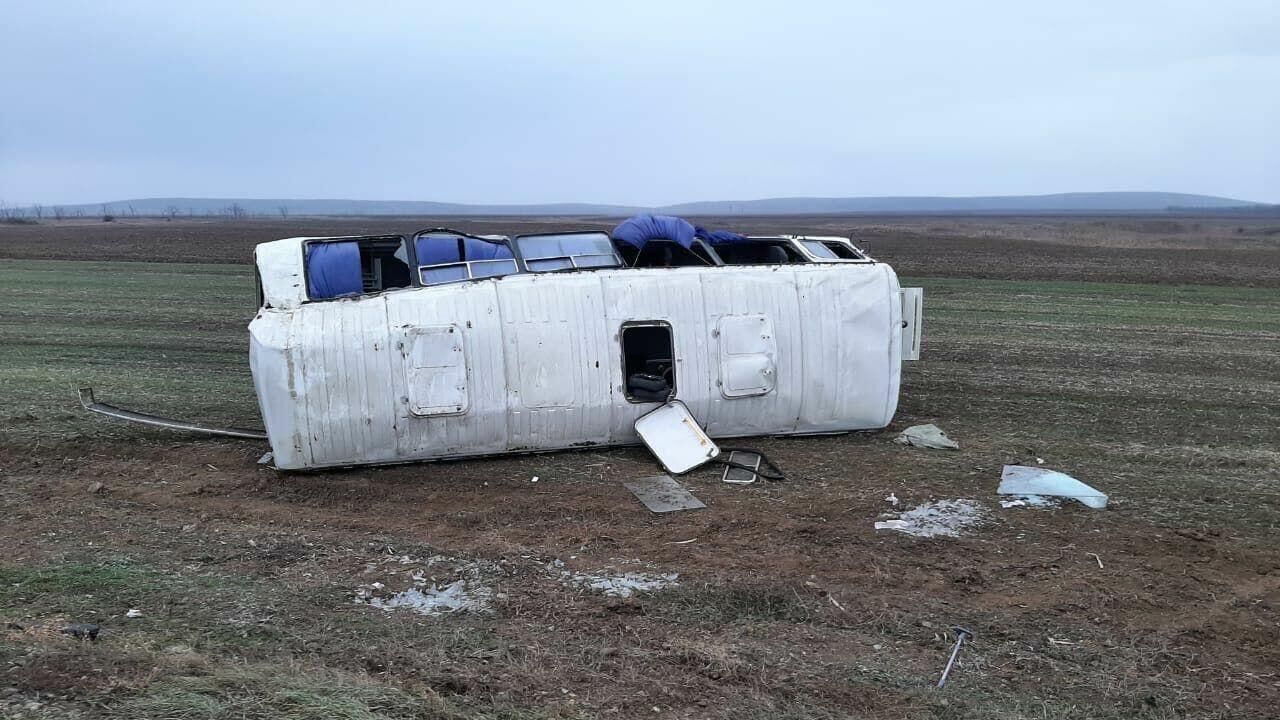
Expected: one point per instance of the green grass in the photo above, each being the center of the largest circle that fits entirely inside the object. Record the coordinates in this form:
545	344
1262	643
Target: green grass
24	587
1164	396
267	692
163	337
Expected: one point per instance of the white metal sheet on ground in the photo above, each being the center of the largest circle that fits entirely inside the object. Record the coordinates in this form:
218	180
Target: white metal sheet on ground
672	435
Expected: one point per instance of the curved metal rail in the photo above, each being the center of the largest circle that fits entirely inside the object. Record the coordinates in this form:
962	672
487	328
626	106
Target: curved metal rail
87	400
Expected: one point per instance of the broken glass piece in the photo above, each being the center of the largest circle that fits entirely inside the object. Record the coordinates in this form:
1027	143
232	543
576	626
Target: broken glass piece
1034	482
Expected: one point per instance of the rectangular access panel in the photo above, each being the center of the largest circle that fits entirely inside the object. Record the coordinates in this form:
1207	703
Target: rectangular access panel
747	352
436	366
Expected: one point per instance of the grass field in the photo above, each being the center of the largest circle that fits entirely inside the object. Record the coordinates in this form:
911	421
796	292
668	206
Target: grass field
789	605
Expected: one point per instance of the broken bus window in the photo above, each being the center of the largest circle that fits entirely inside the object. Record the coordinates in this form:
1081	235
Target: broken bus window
347	267
446	256
567	251
648	362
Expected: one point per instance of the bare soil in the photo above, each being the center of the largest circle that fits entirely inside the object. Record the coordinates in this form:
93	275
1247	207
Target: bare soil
1208	251
789	604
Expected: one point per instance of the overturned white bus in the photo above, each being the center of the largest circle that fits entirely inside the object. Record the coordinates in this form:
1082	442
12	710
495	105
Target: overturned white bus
389	348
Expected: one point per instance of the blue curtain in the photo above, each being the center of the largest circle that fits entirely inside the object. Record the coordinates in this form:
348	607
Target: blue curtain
333	269
440	249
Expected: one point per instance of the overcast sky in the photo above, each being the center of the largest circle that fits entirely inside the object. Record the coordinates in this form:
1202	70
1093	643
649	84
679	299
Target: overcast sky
639	102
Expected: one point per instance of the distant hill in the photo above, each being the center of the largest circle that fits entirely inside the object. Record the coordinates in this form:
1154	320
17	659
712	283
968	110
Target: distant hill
1061	202
1101	202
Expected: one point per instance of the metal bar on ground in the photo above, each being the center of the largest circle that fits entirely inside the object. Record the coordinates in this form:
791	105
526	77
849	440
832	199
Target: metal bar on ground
89	403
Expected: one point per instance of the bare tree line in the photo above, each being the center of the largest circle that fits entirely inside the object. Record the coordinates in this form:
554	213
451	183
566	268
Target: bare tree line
108	212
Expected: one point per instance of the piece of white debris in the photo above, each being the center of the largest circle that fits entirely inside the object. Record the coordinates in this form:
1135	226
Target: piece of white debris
1034	482
926	436
458	596
133	613
535	479
615	584
892	525
892	499
943	518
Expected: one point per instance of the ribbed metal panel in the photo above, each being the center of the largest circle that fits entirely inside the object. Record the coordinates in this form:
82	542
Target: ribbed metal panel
544	361
473	309
771	293
673	296
850	335
557	361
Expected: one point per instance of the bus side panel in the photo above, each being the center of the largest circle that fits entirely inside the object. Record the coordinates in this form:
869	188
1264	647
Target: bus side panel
672	296
479	425
760	302
852	348
558	361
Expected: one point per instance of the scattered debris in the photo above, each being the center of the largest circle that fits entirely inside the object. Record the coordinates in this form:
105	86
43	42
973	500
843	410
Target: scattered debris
1095	556
892	499
741	467
438	585
947	518
926	436
133	613
266	458
615	584
457	596
1031	483
962	634
893	525
682	542
534	479
661	493
82	631
95	487
675	438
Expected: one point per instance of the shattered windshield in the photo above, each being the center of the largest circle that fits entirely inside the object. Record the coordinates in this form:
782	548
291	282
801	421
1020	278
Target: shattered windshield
567	251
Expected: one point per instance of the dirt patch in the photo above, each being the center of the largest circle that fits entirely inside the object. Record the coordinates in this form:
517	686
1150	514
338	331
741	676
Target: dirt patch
786	604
